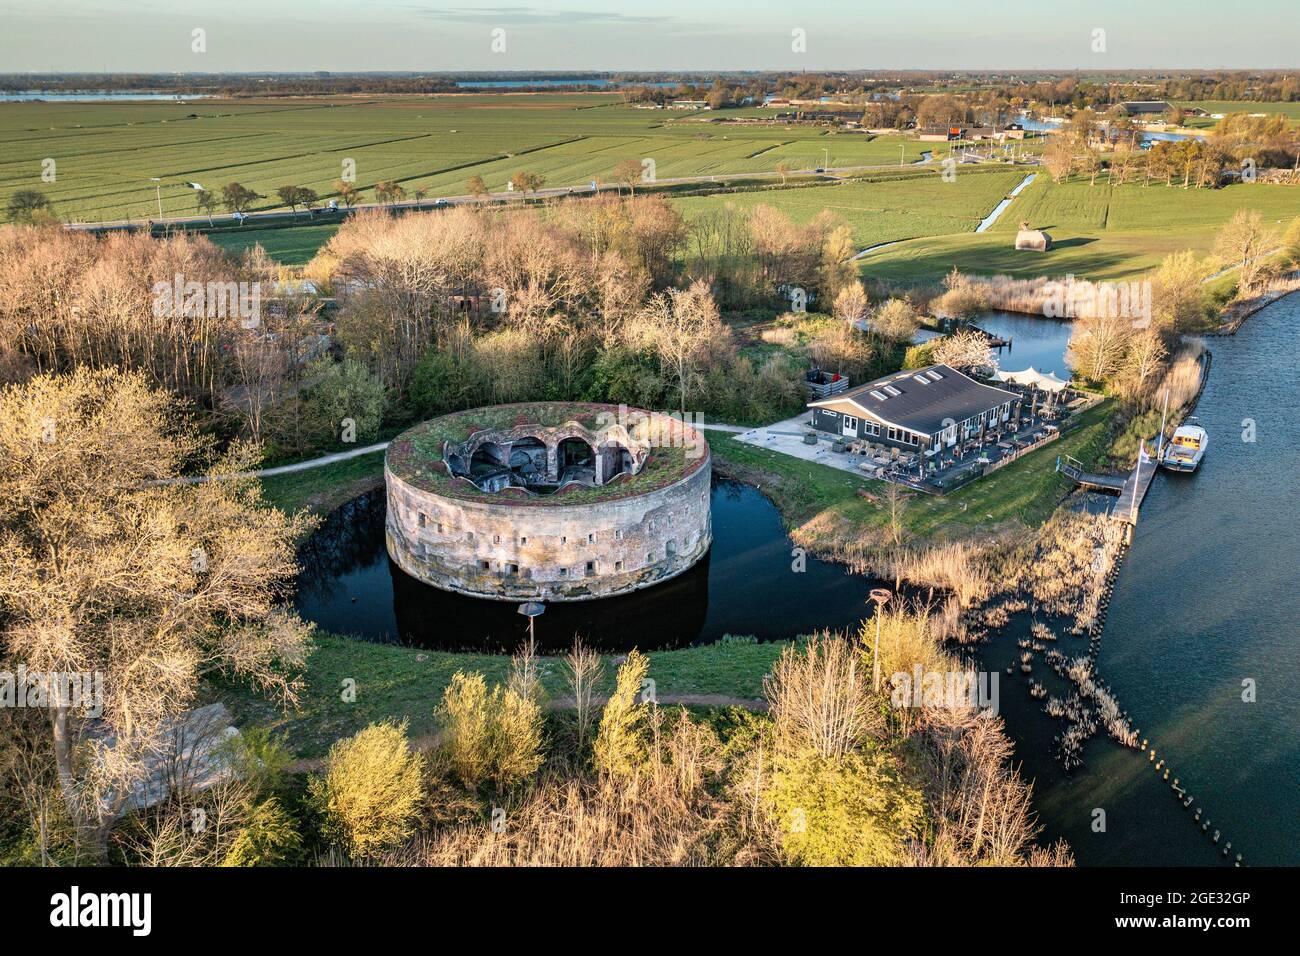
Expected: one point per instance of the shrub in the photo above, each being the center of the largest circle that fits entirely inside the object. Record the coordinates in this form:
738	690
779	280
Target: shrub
370	790
620	739
854	810
496	736
269	838
258	759
819	698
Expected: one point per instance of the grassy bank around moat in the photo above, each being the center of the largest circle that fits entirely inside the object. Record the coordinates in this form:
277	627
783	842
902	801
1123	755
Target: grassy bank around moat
406	683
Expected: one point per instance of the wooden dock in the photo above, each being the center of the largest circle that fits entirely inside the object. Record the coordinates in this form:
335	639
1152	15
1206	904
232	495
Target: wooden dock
1135	488
1129	490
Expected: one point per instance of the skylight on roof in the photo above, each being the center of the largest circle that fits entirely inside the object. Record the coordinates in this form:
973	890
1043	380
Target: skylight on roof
922	379
935	376
892	391
878	395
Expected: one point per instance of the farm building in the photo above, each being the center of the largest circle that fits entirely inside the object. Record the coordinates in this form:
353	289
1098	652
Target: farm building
1145	107
1033	239
918	409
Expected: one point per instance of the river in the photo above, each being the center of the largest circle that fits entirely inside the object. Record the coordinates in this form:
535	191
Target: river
1208	597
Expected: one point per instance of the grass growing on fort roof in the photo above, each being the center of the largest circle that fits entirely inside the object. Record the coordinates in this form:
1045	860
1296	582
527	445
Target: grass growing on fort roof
415	456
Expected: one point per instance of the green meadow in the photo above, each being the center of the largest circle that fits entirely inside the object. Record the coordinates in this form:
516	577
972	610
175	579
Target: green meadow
921	204
1099	231
106	154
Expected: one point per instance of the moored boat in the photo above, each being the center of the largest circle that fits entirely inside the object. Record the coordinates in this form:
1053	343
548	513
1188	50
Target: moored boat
1186	449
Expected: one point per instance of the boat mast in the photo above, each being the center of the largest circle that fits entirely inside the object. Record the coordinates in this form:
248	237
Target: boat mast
1160	442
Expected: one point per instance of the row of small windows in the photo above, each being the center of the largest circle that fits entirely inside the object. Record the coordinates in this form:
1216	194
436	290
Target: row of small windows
588	568
423	521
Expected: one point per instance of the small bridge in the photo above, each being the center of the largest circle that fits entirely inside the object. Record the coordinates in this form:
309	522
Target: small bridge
1129	490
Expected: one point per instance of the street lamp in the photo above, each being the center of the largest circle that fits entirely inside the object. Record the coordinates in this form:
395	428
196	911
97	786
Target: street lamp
530	610
880	596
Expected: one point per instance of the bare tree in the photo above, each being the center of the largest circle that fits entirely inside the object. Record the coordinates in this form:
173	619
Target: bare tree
1245	241
149	585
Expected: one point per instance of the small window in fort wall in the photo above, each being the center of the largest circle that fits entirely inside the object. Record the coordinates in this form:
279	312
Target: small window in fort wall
591	567
670	548
591	539
484	566
563	540
422	519
523	540
618	565
496	539
439	527
618	535
564	572
649	558
512	569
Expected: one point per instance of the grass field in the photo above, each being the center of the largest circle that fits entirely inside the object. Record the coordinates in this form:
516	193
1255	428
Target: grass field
292	245
923	205
1290	110
1100	232
106	153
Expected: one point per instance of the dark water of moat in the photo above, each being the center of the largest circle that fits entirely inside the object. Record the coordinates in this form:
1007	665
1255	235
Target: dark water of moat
746	585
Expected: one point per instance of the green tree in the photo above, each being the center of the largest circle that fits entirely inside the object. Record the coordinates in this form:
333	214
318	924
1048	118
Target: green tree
206	202
854	810
620	742
237	198
493	736
270	837
342	401
30	206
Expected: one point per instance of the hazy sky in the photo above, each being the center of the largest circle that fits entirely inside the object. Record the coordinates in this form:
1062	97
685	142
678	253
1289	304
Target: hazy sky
342	35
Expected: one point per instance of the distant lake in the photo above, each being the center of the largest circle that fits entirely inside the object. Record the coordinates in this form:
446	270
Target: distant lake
537	83
1038	126
94	96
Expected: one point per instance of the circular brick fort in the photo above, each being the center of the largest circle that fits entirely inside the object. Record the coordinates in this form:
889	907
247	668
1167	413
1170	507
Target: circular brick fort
548	501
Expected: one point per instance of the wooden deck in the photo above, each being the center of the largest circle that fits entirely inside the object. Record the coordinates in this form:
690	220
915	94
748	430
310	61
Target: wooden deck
1130	490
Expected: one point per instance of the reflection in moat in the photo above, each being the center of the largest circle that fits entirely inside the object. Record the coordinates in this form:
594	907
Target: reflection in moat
749	584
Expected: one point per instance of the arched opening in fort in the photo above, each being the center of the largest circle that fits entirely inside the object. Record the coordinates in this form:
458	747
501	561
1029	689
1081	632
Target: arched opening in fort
576	461
618	460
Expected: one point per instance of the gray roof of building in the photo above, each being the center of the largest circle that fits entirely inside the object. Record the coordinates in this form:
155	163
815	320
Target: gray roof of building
1145	106
923	408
